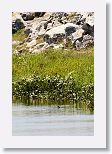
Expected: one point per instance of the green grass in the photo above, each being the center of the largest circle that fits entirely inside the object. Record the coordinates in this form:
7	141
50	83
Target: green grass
19	35
53	62
55	75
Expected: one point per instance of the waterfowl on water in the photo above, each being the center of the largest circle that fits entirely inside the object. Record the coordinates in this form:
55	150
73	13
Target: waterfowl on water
58	106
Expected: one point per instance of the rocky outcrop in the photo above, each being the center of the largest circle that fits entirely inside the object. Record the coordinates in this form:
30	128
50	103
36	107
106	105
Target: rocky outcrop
60	32
27	16
56	28
83	42
84	17
17	22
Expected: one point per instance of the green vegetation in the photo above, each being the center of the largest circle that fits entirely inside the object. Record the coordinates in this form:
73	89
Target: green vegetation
19	35
55	75
55	89
53	62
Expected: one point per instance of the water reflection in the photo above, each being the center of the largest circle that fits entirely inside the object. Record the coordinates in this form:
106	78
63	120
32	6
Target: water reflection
35	118
60	104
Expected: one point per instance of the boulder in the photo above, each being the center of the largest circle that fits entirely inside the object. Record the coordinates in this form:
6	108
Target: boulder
17	22
38	27
56	46
59	32
77	38
52	45
83	42
78	34
90	19
88	40
39	14
84	17
28	16
57	29
88	29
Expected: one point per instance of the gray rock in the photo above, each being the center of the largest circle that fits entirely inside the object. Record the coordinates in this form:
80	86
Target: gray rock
58	46
37	28
17	23
78	34
59	32
39	14
90	19
83	42
78	45
76	29
28	16
88	29
84	17
88	40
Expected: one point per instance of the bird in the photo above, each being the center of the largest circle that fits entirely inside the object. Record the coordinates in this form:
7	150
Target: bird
58	106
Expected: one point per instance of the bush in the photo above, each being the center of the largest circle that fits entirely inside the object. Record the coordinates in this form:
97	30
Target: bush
55	88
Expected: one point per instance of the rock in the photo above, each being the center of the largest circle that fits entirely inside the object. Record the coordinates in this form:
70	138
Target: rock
15	42
17	22
77	38
28	16
70	28
78	45
90	20
83	42
47	16
57	29
37	51
43	24
59	14
84	17
31	44
58	46
59	32
41	29
46	45
36	29
79	20
40	45
39	14
78	34
88	29
49	26
88	40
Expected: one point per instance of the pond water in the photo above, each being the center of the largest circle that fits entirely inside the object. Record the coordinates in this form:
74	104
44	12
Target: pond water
51	120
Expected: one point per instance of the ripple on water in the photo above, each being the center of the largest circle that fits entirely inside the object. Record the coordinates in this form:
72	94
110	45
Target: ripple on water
51	120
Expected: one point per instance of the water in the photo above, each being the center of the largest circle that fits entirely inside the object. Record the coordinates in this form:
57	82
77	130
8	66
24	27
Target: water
50	120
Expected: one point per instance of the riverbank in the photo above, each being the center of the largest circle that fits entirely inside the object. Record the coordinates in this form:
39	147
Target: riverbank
55	75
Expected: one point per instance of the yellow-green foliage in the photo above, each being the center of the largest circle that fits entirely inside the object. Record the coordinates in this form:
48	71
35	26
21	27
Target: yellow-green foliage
19	36
53	62
55	75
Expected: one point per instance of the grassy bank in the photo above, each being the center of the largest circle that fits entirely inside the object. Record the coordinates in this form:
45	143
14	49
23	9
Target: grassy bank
56	75
61	62
55	88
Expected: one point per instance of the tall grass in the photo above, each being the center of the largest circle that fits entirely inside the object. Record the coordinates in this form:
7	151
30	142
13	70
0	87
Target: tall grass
56	75
55	62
